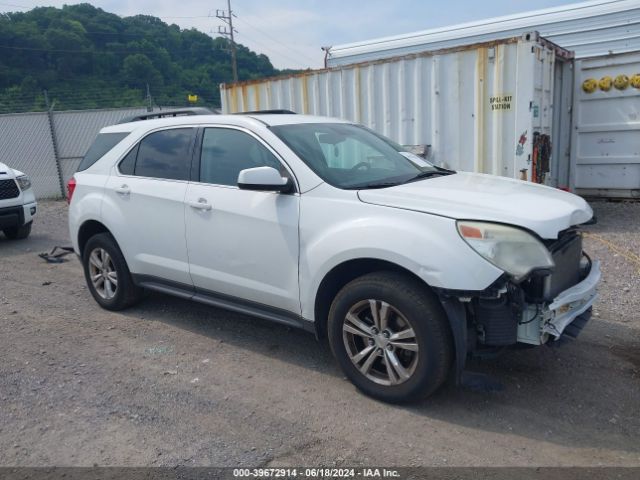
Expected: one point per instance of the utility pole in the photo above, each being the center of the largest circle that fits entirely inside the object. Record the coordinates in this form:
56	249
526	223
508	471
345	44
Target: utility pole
227	17
326	54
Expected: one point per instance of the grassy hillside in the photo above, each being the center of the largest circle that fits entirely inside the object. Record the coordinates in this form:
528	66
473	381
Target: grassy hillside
88	58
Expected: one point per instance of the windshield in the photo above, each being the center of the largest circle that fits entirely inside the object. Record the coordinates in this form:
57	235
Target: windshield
351	156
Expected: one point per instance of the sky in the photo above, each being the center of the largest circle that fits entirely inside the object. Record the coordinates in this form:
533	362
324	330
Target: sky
291	32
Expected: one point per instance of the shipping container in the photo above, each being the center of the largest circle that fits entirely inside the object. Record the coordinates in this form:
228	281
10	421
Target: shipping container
487	107
592	28
606	117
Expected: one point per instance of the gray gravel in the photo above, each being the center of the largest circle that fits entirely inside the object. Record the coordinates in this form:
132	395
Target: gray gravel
615	241
176	383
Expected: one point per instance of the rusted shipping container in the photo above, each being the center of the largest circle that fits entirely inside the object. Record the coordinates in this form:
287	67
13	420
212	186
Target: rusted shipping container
494	107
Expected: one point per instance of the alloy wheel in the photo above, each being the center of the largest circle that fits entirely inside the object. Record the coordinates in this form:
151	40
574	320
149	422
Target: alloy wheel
380	342
102	272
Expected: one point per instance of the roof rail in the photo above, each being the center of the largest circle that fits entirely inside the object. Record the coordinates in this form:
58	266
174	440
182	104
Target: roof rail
177	112
267	112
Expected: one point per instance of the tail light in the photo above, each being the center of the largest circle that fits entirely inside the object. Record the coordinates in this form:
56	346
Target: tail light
71	187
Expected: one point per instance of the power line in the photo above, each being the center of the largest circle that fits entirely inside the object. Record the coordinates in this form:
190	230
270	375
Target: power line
272	50
293	50
123	16
226	17
121	50
119	15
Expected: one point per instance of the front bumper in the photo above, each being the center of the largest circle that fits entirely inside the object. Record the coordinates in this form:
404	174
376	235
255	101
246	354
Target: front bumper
11	217
572	303
17	216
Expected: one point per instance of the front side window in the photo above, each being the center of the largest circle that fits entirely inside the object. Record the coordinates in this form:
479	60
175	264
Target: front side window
164	154
350	156
225	152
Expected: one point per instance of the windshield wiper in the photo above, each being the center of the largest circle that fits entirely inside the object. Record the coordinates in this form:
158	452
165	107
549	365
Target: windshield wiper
430	174
366	186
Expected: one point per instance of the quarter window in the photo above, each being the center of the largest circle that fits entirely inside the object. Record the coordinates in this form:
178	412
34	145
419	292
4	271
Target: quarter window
101	145
128	163
164	154
225	152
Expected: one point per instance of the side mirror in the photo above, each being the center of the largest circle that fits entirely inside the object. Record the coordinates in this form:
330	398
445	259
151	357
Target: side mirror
264	179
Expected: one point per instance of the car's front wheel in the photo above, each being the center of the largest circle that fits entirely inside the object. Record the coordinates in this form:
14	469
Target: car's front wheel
390	336
18	233
107	274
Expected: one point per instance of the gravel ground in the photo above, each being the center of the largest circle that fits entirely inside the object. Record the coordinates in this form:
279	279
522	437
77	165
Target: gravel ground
615	240
176	383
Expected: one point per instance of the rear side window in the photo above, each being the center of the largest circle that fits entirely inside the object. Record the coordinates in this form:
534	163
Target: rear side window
101	145
164	154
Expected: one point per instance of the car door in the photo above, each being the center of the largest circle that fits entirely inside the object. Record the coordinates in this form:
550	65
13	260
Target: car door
242	244
147	190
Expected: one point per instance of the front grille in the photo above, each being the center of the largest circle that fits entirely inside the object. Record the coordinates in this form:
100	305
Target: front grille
8	189
567	253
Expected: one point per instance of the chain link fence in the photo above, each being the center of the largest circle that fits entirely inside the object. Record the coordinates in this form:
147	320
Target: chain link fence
48	146
45	135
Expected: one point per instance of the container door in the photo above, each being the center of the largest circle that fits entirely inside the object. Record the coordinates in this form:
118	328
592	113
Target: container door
605	155
562	126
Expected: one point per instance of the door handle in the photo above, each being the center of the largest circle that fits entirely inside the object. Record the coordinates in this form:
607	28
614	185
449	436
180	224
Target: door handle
123	190
201	204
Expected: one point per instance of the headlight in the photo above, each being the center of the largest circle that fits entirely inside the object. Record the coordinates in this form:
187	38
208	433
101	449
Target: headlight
508	248
24	182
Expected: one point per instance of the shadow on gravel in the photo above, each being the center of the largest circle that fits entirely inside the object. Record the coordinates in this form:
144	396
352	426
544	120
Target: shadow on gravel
261	336
582	395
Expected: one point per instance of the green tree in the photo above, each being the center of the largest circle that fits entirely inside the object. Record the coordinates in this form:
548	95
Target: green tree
88	58
138	70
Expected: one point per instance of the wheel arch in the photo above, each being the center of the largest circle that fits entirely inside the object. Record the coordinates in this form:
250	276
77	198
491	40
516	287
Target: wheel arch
87	230
342	274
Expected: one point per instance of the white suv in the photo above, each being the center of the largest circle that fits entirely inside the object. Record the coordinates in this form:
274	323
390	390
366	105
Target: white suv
322	224
17	203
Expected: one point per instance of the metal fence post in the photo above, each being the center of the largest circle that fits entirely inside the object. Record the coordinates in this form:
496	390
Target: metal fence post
54	142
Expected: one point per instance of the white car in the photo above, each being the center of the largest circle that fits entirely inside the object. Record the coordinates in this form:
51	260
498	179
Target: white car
322	224
17	203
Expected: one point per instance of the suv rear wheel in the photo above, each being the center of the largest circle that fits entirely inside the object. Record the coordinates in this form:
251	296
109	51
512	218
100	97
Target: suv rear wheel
107	274
18	233
390	337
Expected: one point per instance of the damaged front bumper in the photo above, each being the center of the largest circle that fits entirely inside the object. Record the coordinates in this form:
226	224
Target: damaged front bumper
572	303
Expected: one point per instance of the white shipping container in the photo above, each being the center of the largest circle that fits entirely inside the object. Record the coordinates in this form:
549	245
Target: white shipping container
606	135
477	107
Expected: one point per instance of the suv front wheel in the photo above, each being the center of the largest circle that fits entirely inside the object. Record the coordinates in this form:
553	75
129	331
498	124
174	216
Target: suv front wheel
390	337
107	274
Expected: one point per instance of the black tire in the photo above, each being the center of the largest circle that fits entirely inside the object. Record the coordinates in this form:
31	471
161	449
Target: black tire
126	292
421	309
18	233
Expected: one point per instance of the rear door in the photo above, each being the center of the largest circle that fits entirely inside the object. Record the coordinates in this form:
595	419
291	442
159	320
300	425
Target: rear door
242	244
148	189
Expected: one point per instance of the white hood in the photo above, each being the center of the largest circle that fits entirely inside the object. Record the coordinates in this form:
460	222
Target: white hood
473	196
7	171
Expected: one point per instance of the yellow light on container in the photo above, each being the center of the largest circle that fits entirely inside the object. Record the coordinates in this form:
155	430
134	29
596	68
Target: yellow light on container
621	82
635	80
192	98
590	85
605	83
